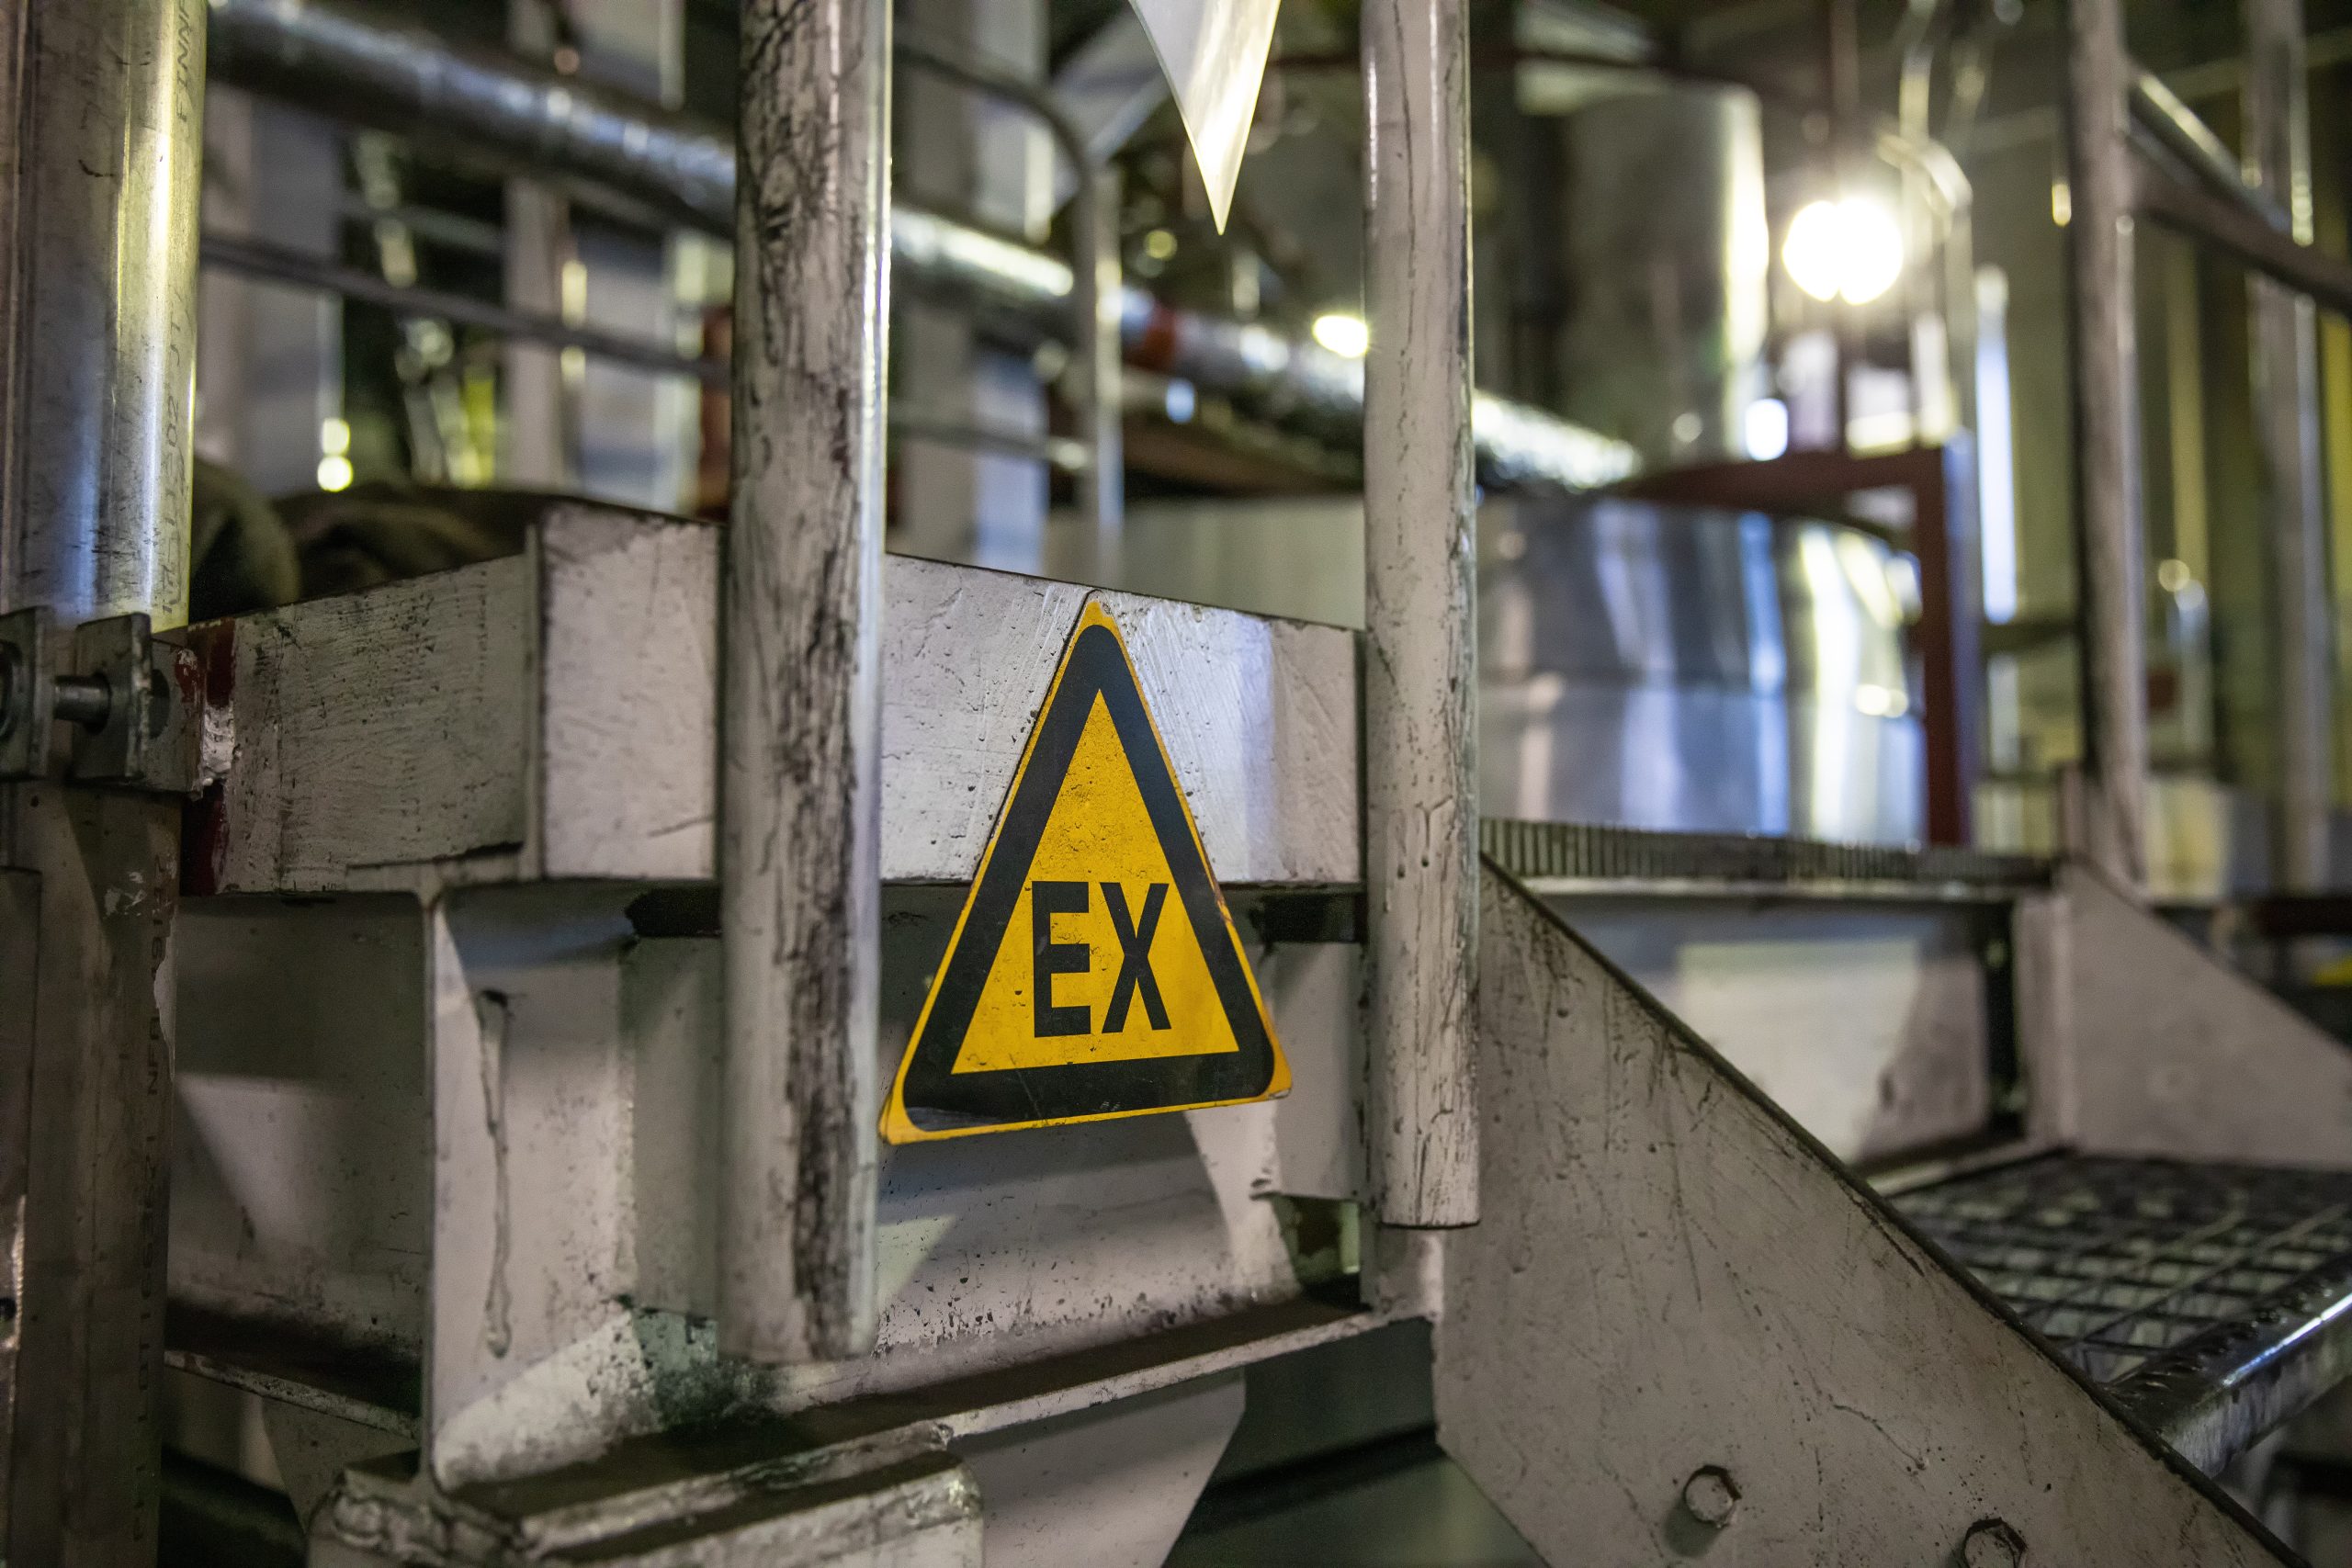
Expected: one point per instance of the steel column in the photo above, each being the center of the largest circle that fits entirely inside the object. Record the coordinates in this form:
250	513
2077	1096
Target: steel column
2286	381
105	124
1096	306
800	706
1420	678
2111	590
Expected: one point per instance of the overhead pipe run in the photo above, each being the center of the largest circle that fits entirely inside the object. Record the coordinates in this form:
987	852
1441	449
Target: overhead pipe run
342	59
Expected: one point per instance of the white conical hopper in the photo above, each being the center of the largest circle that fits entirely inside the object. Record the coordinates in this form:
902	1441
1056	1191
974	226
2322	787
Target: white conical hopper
1215	55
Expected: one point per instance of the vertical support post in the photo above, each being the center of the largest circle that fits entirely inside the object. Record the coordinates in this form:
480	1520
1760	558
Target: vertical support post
1841	68
1943	537
1094	214
2112	609
103	110
2286	382
1420	672
800	712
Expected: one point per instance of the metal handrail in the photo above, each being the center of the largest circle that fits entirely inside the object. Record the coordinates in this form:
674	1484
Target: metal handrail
2160	112
2214	204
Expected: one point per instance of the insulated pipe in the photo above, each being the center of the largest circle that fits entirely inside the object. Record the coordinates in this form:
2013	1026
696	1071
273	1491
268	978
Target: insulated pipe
2113	588
347	62
2286	382
800	716
1420	644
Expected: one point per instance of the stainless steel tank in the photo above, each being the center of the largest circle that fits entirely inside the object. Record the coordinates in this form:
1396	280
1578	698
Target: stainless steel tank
1696	671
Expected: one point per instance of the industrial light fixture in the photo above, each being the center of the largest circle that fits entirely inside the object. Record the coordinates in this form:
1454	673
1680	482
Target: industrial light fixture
1765	429
334	466
1849	248
1343	333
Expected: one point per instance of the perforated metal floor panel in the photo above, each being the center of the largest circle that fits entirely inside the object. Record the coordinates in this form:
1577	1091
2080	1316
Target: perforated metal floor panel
2211	1301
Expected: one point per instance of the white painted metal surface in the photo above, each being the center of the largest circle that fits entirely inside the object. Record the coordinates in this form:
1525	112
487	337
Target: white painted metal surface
1103	1488
2164	1050
1869	1026
907	1509
302	1141
1670	1276
1421	673
520	1189
552	716
800	708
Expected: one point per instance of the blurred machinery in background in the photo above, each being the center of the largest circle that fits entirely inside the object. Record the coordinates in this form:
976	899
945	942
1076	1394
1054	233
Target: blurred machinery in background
1677	668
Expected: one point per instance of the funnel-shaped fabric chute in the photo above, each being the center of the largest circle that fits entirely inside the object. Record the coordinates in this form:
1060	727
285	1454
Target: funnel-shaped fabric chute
1215	55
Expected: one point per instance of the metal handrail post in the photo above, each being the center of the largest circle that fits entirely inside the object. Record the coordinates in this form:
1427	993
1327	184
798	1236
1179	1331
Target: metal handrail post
800	715
1099	362
104	113
2286	383
1420	667
2111	609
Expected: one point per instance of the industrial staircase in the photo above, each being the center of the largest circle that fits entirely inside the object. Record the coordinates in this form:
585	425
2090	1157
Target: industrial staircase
450	976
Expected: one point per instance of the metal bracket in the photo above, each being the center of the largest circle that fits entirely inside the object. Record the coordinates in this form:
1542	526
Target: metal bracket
135	701
28	694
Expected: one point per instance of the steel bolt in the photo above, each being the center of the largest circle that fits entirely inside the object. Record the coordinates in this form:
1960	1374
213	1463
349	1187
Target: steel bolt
85	700
1712	1495
1992	1544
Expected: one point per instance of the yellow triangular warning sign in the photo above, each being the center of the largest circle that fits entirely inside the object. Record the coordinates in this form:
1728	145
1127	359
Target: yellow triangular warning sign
1095	971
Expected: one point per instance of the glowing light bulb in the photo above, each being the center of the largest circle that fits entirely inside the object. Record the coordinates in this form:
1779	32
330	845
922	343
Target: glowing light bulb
1850	248
1343	333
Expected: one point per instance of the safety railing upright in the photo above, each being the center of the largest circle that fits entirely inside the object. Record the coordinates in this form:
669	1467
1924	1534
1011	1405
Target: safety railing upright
2135	150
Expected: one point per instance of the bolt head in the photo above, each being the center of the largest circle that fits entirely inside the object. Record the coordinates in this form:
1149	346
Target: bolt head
1992	1544
1710	1495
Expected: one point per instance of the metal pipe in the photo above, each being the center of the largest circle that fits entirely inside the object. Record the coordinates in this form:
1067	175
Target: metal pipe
252	258
359	63
2286	384
104	126
2158	192
346	61
800	719
2112	606
1420	643
2159	111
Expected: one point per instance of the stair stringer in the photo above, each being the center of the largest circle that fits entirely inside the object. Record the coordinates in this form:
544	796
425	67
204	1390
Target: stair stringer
1671	1275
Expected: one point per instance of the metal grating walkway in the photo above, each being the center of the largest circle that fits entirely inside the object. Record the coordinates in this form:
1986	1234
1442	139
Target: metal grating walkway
2211	1301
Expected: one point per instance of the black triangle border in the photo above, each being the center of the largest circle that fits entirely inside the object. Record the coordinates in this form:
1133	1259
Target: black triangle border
937	1099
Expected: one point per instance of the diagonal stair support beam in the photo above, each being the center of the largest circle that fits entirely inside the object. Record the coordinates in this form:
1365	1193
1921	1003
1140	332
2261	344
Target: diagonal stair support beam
1682	1327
